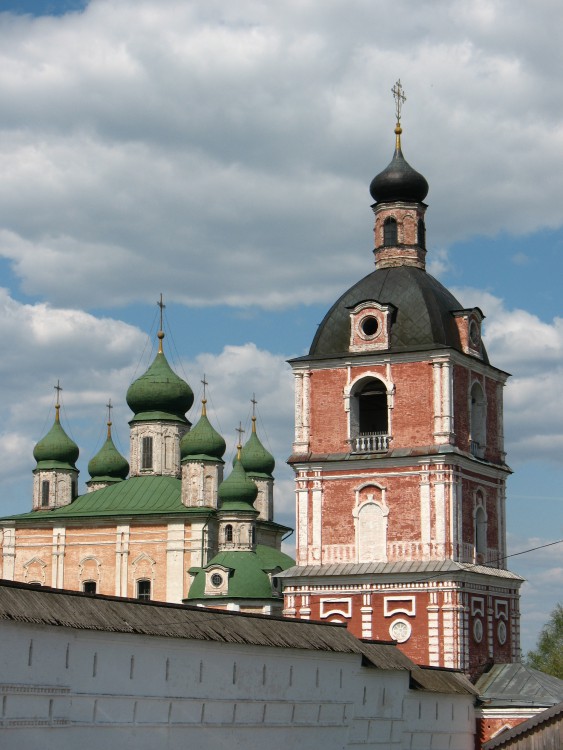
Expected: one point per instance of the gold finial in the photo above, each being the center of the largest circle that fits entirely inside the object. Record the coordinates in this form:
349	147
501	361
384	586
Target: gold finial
240	433
253	402
58	389
160	334
400	99
204	400
109	407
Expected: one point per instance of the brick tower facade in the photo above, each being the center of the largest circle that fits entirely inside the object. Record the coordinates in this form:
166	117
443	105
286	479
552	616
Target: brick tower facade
399	458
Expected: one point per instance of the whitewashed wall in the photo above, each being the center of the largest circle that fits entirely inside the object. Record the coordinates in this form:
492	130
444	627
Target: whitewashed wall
64	688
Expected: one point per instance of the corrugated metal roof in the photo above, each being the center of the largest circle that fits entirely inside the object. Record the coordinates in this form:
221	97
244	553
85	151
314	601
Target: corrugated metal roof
52	607
417	567
535	721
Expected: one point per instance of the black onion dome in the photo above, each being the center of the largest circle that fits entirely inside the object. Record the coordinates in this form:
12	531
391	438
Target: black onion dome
398	182
423	318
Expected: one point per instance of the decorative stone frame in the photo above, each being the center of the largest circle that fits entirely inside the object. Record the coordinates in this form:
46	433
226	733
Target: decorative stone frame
356	384
360	316
89	576
212	589
469	325
360	505
480	509
477	418
42	573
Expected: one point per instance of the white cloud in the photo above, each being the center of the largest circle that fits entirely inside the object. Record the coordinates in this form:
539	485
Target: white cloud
227	151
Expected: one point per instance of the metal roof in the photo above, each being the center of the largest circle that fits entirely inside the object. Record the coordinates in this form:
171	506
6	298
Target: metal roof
424	313
516	684
20	602
416	567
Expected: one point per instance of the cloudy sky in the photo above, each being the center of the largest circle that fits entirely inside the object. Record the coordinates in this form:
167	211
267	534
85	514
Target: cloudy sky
220	153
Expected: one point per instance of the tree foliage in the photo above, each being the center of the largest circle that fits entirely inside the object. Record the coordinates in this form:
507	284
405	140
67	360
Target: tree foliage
548	654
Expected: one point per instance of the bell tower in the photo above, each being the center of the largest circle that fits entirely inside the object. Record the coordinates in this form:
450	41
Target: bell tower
399	457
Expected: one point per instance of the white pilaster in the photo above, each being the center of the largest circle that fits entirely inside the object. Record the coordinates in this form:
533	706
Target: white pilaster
121	559
302	524
8	553
58	557
317	500
175	563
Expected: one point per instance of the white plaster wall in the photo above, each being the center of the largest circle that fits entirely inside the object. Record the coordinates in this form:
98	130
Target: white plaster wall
62	688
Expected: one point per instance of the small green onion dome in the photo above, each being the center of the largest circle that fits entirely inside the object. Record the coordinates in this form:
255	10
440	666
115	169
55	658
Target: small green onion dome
254	457
203	440
237	492
108	465
56	450
160	393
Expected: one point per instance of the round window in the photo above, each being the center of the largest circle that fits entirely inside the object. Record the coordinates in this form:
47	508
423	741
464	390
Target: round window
400	631
369	325
474	336
216	579
478	631
501	633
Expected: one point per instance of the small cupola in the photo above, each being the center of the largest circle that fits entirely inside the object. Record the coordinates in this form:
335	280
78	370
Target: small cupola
202	442
56	450
108	465
256	460
55	477
237	492
399	192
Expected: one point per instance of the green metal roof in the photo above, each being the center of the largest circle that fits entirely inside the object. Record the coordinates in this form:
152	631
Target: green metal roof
249	574
135	496
255	459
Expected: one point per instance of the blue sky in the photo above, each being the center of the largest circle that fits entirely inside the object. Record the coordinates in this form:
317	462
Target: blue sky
221	154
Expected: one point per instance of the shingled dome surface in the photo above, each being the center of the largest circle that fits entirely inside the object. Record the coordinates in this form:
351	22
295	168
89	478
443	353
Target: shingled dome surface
423	317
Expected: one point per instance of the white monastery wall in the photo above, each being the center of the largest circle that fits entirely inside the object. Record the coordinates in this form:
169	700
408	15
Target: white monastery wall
63	688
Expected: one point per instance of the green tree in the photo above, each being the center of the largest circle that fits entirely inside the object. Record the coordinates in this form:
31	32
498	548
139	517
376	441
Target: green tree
548	655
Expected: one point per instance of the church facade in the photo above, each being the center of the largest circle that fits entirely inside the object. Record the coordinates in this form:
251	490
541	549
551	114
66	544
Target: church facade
169	527
399	458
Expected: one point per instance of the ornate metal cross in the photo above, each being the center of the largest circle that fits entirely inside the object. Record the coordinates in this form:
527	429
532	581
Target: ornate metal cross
399	97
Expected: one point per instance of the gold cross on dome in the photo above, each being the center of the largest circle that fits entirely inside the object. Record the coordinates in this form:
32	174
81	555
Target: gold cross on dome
205	384
254	403
399	97
58	389
109	407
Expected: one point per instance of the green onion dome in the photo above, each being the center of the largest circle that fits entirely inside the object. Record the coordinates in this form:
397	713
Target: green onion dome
160	393
108	465
56	450
202	441
254	457
237	492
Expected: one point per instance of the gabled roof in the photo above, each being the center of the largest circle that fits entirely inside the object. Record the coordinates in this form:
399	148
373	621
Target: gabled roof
518	685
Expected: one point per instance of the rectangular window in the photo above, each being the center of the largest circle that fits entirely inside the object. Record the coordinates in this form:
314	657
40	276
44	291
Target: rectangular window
45	493
144	590
146	453
89	587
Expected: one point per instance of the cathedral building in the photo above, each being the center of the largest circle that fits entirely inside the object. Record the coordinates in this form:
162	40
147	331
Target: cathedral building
170	520
399	458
